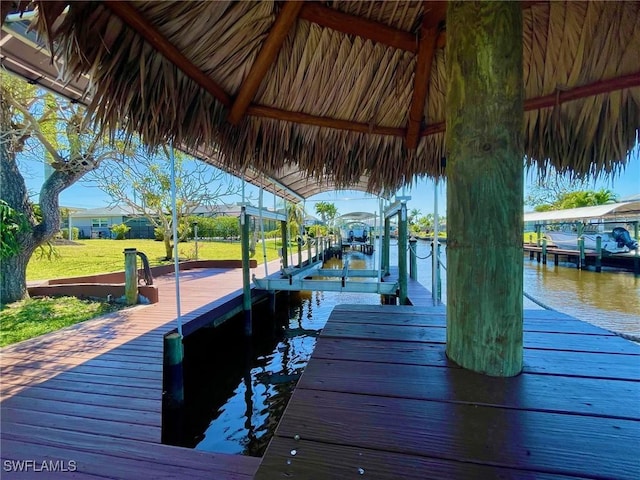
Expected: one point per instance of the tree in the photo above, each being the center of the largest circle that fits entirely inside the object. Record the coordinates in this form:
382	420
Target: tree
42	124
295	218
327	212
547	190
577	199
143	183
414	213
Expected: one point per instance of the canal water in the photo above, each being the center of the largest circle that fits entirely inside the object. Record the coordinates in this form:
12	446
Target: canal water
237	389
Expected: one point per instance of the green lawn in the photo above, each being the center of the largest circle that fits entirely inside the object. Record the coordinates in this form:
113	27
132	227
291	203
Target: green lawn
100	256
33	317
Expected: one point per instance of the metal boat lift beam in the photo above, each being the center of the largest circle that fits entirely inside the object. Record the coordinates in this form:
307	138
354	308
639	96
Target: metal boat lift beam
271	284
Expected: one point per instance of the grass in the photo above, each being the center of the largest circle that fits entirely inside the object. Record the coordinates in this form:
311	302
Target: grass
30	318
101	256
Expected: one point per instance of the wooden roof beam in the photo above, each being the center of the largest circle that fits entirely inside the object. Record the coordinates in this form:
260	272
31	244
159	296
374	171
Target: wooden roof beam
352	25
305	118
433	16
264	60
605	86
129	15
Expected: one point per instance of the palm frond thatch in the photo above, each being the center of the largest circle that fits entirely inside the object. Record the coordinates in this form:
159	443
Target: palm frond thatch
326	73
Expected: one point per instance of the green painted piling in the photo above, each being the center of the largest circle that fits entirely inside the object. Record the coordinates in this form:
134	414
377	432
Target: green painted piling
386	247
544	251
413	259
173	373
285	253
246	280
581	257
402	254
598	253
130	276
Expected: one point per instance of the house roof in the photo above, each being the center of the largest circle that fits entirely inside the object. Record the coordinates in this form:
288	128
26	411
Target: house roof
322	94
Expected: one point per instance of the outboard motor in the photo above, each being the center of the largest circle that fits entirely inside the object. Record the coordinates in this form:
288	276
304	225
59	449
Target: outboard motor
621	235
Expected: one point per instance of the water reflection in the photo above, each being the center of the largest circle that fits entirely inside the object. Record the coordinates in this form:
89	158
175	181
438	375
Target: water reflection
236	389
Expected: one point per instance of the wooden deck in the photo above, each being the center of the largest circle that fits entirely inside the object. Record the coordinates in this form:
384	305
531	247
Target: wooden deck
380	400
91	394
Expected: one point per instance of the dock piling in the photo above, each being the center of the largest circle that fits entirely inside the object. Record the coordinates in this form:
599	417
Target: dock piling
131	276
544	251
173	374
413	259
598	253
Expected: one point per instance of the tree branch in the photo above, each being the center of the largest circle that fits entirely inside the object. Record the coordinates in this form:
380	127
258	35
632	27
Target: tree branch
36	129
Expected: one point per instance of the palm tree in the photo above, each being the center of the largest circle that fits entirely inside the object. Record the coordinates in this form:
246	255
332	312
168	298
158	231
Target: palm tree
295	218
413	215
604	196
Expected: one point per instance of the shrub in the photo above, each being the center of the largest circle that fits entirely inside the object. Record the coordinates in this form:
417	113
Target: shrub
120	231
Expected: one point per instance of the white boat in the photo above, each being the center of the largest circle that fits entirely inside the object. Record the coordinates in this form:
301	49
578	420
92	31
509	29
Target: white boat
616	241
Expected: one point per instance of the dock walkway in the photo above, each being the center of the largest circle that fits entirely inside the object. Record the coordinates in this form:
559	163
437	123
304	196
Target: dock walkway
380	400
91	394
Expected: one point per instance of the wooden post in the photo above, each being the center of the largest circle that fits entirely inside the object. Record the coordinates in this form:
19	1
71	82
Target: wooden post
309	257
484	141
402	254
581	258
173	374
246	280
272	302
598	253
130	276
413	259
299	242
544	251
285	254
538	234
386	247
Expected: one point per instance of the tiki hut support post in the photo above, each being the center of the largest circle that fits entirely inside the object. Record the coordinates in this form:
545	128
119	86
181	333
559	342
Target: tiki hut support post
402	253
246	281
386	240
285	254
484	140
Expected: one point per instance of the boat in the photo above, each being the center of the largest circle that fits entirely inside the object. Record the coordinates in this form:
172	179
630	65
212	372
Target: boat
617	240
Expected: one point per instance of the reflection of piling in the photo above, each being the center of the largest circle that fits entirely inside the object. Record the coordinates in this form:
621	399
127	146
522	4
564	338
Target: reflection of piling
131	276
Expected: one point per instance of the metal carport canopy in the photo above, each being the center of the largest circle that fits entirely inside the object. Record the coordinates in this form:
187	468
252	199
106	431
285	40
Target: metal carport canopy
628	208
22	54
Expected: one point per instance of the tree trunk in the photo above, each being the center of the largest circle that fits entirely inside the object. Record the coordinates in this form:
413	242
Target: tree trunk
168	248
484	114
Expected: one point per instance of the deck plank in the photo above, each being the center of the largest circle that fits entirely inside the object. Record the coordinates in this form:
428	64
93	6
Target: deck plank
311	463
382	396
549	362
549	442
584	396
214	464
542	340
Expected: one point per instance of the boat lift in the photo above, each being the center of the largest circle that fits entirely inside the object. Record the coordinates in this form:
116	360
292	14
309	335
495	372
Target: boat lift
312	277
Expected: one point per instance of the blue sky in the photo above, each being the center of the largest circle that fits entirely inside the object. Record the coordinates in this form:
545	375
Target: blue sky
422	192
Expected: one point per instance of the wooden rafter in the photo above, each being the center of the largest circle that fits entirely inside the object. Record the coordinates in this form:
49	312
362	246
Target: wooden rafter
604	86
305	118
264	60
132	17
129	15
434	14
352	25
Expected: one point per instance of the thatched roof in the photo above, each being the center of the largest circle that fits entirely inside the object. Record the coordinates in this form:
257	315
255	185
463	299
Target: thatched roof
328	87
